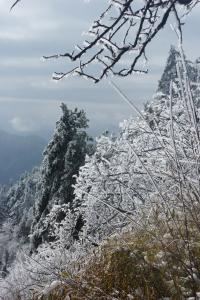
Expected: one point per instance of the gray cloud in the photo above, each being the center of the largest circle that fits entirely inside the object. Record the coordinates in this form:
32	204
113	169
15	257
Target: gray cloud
36	28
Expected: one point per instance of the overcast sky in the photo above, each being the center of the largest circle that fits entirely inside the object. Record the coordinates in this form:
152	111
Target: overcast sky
29	99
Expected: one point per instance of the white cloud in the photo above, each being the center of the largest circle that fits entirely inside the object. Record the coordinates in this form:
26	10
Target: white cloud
22	125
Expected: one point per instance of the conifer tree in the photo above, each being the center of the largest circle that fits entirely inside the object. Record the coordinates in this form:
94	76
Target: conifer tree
170	71
63	156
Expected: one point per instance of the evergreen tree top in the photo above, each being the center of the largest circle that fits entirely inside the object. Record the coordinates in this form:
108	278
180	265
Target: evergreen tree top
73	118
170	71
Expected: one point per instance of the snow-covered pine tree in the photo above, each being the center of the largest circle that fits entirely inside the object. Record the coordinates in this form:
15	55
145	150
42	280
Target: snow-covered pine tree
173	72
170	71
63	156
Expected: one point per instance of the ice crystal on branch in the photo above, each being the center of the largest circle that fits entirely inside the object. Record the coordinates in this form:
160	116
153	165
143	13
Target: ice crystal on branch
124	29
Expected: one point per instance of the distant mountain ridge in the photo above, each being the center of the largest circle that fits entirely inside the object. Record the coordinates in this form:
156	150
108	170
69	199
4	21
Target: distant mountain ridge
18	154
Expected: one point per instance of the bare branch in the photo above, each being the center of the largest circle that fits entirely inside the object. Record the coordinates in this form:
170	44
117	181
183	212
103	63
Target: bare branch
118	40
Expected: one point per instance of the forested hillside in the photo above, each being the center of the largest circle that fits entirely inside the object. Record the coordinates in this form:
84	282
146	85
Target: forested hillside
113	220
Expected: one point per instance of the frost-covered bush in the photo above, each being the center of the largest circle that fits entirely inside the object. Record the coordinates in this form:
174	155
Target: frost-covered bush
155	158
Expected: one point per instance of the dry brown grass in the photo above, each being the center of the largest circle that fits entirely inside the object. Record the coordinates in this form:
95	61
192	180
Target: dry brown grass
144	265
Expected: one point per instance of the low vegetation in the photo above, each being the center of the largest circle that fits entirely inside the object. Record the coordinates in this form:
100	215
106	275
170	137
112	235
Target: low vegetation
161	261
